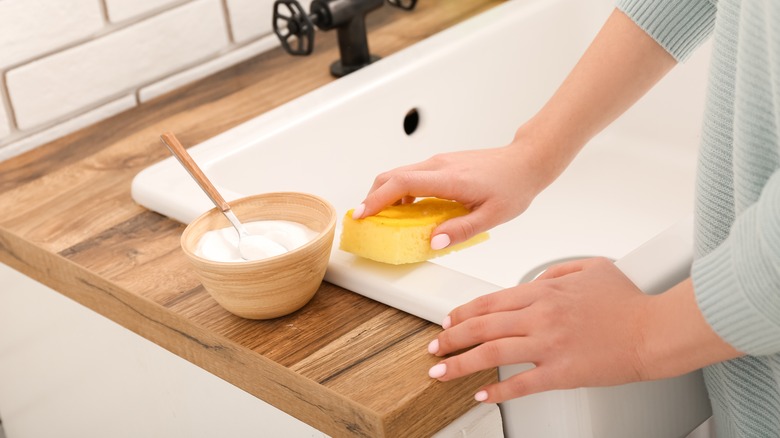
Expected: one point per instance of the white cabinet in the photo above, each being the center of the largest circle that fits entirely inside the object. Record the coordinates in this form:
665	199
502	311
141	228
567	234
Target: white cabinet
66	371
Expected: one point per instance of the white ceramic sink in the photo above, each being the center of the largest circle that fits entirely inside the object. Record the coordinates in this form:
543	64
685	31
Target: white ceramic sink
472	86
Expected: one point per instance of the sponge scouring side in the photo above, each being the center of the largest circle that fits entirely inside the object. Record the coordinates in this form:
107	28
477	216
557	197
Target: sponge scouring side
401	234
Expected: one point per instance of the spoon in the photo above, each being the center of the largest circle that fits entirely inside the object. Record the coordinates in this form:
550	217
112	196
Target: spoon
250	246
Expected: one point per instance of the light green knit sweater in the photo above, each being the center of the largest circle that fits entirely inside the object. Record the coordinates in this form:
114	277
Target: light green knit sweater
736	272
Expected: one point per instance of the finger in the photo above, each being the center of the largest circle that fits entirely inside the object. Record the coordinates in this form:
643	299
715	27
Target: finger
477	331
491	354
571	267
413	167
402	186
522	384
562	269
400	171
514	298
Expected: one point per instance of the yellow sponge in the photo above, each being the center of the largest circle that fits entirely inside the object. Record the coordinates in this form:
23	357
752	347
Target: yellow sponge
402	233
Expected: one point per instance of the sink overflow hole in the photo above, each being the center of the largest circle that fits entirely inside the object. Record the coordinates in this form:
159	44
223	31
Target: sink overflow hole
411	121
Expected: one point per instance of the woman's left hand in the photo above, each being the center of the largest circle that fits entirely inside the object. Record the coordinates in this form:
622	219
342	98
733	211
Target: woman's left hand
579	324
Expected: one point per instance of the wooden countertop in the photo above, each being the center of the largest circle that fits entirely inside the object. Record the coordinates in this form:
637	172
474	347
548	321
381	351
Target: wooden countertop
345	364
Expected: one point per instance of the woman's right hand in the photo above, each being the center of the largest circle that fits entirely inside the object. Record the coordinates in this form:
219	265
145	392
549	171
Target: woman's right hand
495	184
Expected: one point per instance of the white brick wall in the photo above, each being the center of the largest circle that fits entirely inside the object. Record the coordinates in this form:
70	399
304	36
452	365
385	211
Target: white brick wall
250	18
54	24
119	10
66	64
91	73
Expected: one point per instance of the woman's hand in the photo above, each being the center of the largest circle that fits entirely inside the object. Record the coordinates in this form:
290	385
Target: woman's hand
582	324
579	324
494	184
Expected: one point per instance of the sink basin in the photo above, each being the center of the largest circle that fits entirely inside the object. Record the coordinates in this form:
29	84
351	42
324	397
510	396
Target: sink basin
628	196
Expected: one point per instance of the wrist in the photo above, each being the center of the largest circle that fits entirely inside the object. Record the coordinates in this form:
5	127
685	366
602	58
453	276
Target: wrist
544	150
675	338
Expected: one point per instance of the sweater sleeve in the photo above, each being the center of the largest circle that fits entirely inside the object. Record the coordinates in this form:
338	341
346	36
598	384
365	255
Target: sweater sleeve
679	26
738	284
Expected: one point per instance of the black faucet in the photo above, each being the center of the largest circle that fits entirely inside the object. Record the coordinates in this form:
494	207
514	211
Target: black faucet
295	28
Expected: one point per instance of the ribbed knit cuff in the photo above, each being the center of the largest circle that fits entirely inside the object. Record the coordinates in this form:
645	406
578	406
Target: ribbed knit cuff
733	284
679	26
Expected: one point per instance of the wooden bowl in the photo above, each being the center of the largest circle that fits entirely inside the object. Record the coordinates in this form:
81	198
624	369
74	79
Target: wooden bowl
272	287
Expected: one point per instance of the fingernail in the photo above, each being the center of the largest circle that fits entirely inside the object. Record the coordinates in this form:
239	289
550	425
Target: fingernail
437	371
447	323
440	241
358	212
433	347
481	396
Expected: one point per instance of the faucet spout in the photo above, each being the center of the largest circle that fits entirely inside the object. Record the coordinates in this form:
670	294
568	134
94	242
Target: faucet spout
352	34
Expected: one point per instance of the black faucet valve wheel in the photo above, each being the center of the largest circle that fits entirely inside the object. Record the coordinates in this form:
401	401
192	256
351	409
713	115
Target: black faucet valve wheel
294	27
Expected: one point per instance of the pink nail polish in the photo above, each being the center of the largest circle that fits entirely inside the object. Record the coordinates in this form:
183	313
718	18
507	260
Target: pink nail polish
358	212
447	323
440	241
481	396
433	347
437	371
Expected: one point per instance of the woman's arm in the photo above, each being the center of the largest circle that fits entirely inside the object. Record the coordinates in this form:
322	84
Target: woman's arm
621	64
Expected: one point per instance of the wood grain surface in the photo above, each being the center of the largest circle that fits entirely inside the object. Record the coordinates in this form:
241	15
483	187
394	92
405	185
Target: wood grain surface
345	364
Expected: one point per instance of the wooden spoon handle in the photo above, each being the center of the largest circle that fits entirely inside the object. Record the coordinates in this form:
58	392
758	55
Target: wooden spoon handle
186	160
